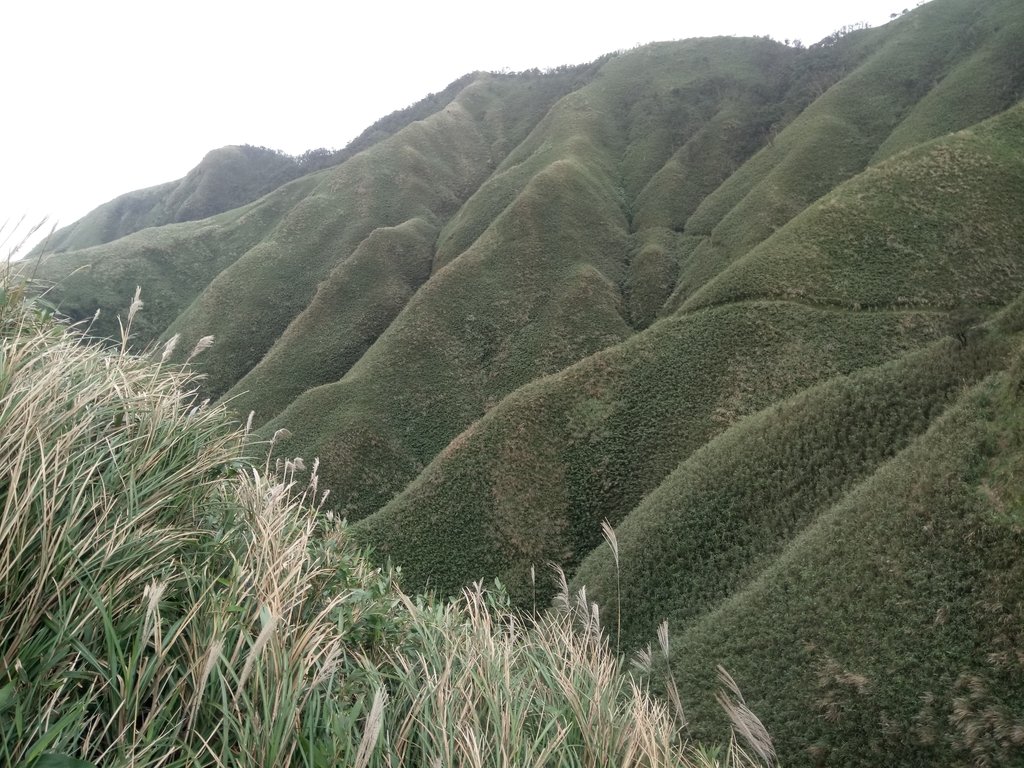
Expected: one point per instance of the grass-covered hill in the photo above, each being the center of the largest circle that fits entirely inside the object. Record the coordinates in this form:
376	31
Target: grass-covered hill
170	602
225	179
758	307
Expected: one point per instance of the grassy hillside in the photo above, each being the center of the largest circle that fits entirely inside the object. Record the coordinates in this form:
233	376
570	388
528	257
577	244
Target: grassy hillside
756	307
228	178
631	118
426	171
938	226
532	480
897	612
363	294
169	602
274	226
732	505
546	208
481	327
568	455
984	80
840	133
173	263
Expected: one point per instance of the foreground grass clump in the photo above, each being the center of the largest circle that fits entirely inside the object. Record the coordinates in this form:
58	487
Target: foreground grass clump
168	603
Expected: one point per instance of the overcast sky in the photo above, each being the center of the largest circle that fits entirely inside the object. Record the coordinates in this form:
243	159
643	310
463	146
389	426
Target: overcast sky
106	96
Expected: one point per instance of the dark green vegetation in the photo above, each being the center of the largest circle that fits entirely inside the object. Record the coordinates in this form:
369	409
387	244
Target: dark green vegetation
758	307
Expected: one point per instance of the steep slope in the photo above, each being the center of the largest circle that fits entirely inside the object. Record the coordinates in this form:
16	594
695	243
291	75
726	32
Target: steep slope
889	631
986	79
172	263
535	290
724	294
839	134
501	109
637	111
734	504
362	295
249	304
533	480
425	171
481	327
228	178
304	229
929	228
589	444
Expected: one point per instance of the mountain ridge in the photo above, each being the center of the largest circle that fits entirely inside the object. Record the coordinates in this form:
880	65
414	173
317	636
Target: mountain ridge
606	293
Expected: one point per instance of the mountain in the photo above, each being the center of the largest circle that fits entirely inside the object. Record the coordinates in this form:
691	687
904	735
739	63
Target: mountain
226	178
759	307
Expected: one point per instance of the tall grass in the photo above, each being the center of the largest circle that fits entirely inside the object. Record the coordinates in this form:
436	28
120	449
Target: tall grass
167	602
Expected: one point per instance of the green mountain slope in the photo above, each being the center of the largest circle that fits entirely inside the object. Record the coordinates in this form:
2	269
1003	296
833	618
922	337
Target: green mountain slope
733	503
174	263
481	327
841	132
539	288
587	444
757	307
930	228
588	451
227	178
897	614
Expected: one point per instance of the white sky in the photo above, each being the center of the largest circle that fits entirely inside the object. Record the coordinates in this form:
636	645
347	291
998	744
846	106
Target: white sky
105	96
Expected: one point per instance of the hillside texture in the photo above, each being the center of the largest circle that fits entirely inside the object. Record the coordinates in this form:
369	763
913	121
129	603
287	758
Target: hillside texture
760	308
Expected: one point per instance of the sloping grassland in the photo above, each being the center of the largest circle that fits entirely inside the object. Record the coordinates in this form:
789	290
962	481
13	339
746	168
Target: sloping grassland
759	308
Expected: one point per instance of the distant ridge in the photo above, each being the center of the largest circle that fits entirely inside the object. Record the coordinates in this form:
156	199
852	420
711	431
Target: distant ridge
225	178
